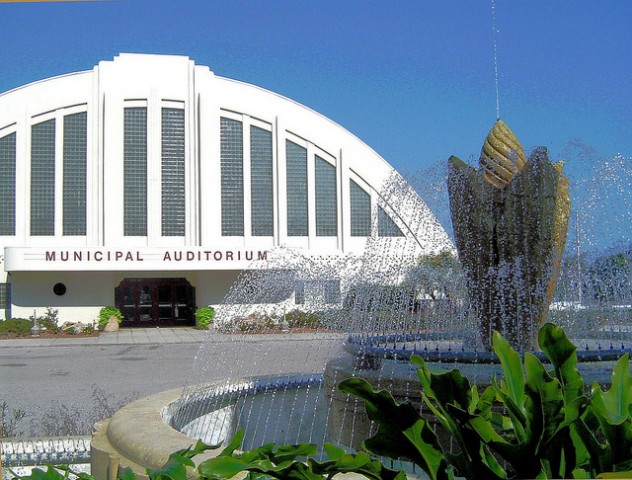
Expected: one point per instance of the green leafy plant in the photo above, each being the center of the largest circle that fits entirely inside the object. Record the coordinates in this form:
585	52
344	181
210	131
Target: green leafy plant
535	422
287	462
204	317
89	328
292	462
49	320
107	312
57	472
299	318
605	428
19	326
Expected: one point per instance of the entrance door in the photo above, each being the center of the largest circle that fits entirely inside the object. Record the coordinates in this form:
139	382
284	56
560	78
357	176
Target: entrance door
156	301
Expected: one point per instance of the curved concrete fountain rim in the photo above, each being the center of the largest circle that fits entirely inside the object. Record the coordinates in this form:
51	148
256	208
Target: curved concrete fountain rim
142	431
369	346
225	394
139	433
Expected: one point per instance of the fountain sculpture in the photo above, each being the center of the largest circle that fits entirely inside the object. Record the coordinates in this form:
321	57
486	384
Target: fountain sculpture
510	221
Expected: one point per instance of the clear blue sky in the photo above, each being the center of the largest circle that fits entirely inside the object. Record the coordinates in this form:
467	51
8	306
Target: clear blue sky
413	79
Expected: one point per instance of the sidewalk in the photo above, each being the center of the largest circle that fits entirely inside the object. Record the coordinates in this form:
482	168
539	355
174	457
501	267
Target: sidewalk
164	335
125	336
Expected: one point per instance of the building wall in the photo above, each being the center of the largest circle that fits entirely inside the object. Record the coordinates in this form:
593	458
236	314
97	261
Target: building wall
150	87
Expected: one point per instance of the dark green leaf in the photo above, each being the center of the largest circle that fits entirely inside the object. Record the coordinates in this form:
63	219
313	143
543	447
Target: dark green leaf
334	452
402	433
222	467
563	355
234	444
126	474
291	452
512	369
614	405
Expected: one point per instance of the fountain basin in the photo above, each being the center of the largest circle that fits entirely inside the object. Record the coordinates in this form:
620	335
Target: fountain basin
142	434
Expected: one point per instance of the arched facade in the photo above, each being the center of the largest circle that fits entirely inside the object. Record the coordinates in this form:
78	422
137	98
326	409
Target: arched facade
150	173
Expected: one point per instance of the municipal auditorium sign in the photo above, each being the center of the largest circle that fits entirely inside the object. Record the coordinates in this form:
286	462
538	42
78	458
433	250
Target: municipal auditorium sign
82	259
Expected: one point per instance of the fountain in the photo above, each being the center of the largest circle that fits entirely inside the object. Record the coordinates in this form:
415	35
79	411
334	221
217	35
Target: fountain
367	316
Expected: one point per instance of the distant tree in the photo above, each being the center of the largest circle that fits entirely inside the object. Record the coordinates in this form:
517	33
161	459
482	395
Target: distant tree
610	277
574	279
438	276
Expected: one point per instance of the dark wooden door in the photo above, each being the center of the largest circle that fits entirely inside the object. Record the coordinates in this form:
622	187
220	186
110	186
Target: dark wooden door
156	301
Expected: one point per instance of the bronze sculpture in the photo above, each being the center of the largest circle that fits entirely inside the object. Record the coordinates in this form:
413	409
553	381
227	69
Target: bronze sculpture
510	221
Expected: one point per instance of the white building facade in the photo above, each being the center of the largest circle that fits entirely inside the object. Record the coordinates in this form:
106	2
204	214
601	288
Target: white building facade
149	183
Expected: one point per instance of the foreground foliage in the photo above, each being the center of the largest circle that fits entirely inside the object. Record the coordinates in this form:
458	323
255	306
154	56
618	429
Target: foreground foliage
533	423
204	317
284	462
108	312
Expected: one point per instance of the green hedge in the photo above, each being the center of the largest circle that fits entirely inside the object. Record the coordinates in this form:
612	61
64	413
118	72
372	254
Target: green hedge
16	325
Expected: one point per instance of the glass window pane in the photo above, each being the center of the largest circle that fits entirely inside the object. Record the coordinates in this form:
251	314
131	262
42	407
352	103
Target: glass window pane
173	201
74	188
232	172
43	178
7	185
386	227
296	158
261	200
326	198
360	211
135	171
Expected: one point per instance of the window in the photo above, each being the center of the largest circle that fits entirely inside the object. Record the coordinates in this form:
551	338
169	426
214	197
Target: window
360	211
326	198
173	201
7	184
43	178
299	294
232	177
74	186
386	227
5	299
296	158
261	198
332	291
135	171
317	292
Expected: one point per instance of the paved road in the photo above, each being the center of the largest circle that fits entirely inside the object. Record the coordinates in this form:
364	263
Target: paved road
57	385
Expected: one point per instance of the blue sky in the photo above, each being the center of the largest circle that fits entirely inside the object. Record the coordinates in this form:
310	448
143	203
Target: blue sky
413	79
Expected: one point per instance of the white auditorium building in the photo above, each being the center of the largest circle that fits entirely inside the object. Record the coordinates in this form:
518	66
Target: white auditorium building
150	183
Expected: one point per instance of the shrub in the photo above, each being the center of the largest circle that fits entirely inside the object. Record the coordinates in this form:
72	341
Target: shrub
298	319
204	317
257	323
89	328
18	326
9	420
49	320
106	312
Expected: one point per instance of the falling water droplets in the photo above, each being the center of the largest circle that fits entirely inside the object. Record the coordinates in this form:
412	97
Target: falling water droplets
495	32
393	300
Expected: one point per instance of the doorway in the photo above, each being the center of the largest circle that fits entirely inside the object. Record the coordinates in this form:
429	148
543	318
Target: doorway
147	302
